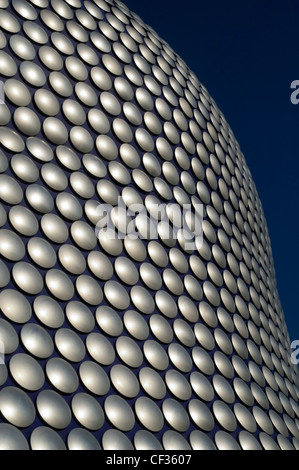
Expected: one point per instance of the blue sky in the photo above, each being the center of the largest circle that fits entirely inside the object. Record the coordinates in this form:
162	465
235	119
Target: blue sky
246	54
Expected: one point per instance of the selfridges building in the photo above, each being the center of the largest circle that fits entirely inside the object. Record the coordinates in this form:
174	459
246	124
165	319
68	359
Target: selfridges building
139	307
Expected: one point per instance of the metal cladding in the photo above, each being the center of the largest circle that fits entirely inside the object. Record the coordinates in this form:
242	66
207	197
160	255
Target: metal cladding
129	342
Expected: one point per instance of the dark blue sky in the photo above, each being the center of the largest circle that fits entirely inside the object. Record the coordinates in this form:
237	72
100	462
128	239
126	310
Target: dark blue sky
247	54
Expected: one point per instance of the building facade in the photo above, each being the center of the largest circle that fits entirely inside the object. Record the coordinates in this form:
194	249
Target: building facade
138	303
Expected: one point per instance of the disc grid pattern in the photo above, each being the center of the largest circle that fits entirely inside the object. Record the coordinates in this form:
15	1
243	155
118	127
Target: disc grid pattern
128	343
